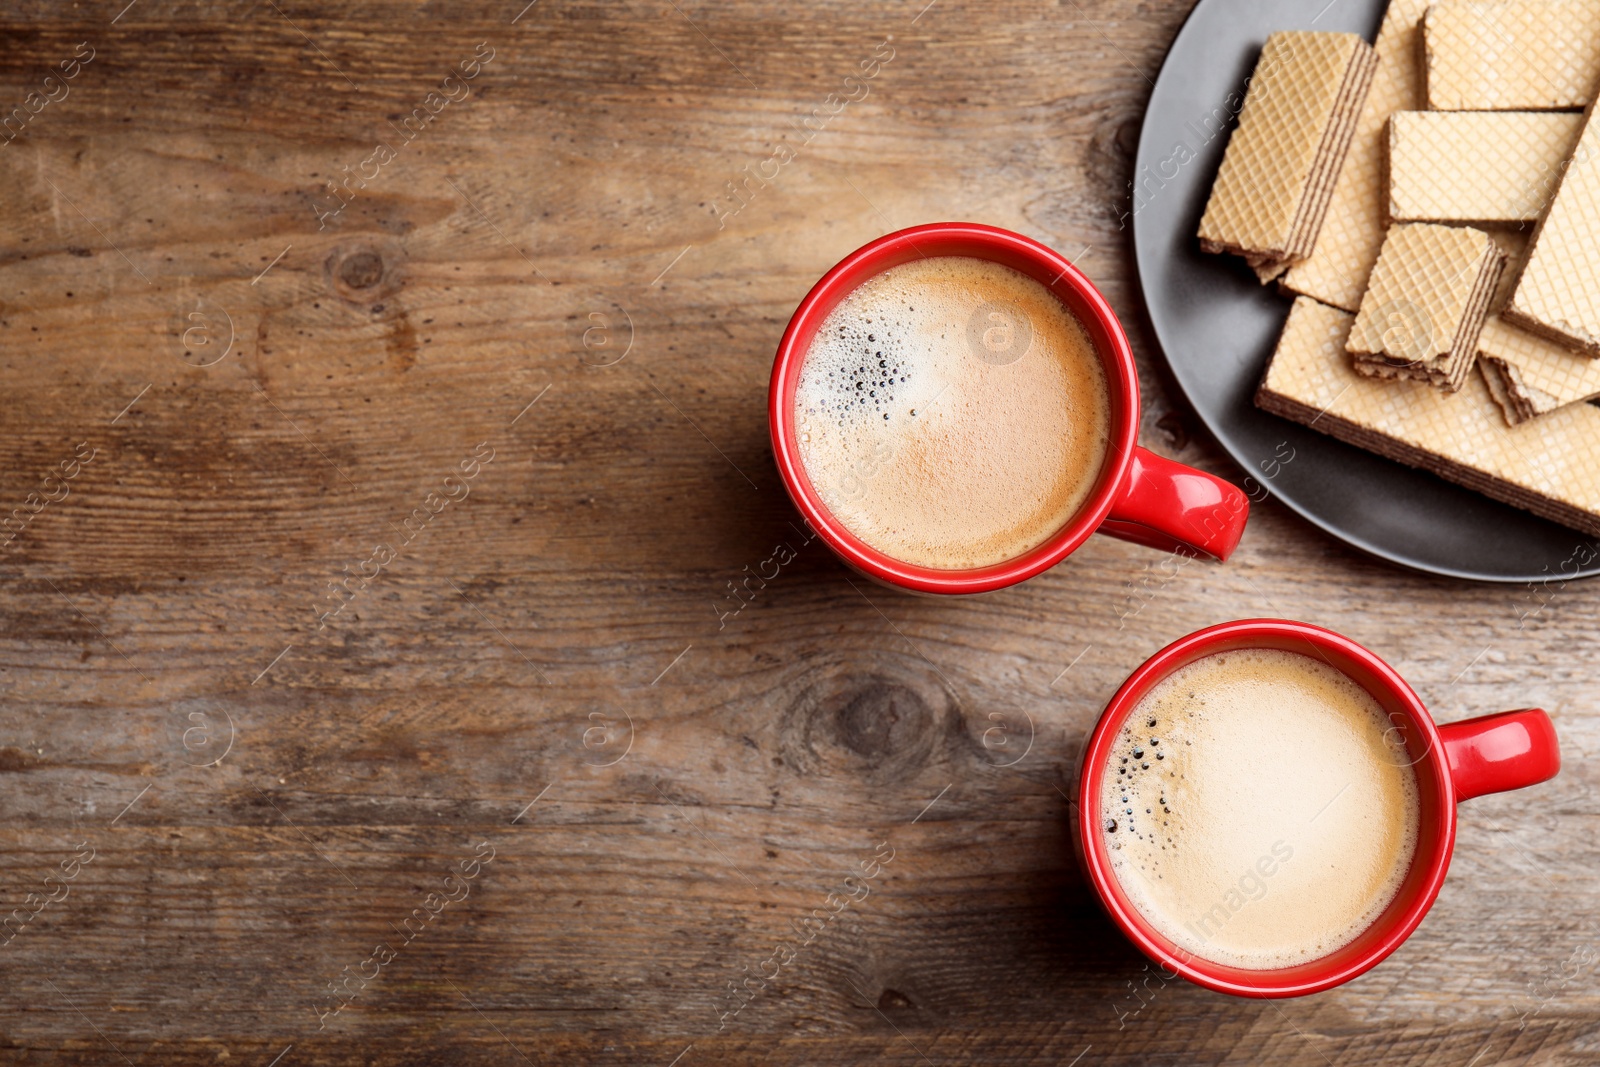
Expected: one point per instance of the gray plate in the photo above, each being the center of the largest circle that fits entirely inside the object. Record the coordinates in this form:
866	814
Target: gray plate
1217	327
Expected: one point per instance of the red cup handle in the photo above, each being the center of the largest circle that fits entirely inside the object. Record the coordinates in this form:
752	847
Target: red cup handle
1494	753
1163	504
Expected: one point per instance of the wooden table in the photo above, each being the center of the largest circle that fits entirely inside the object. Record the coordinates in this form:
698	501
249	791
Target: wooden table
529	785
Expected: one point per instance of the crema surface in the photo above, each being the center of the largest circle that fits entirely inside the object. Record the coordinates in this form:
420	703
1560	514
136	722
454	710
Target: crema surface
952	413
1259	809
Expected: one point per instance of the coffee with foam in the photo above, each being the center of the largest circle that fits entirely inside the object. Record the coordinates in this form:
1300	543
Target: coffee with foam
952	413
1259	808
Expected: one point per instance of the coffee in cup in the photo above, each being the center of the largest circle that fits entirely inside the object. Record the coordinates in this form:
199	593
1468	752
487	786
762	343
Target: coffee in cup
952	413
1259	808
1302	816
1026	437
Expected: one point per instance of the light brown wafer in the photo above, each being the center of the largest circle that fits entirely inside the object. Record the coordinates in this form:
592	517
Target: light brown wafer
1519	401
1279	169
1529	375
1484	167
1521	55
1550	466
1558	293
1352	231
1537	376
1426	303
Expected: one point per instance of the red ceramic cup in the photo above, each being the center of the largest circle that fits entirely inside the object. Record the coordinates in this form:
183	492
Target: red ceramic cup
1139	497
1453	763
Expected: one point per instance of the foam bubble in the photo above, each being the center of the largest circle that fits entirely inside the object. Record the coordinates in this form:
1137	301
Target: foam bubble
1280	819
952	413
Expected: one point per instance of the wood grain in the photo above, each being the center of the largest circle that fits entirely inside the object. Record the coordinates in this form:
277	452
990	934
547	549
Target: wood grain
547	668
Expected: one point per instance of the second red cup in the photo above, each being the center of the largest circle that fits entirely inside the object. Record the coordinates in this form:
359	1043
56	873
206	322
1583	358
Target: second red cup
1451	763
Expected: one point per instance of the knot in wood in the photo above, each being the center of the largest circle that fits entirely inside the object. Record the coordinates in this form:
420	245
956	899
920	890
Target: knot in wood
880	718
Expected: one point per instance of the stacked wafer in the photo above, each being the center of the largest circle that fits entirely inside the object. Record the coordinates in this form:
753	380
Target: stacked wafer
1463	231
1281	164
1425	304
1547	466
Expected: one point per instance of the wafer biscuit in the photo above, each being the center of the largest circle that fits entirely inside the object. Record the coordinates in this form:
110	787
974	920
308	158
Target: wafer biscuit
1522	55
1352	231
1279	169
1550	466
1426	303
1529	375
1516	395
1558	293
1484	167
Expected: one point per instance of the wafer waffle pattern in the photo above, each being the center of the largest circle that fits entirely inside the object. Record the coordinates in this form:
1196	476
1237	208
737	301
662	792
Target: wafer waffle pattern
1427	300
1352	230
1537	375
1529	375
1550	466
1278	171
1476	166
1511	56
1558	294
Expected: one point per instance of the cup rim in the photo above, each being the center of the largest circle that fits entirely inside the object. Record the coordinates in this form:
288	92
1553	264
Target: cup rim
1076	293
1435	844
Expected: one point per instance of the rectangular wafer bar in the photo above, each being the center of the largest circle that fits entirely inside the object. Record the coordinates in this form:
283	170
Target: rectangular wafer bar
1352	231
1487	167
1426	303
1558	293
1550	466
1279	168
1521	55
1529	375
